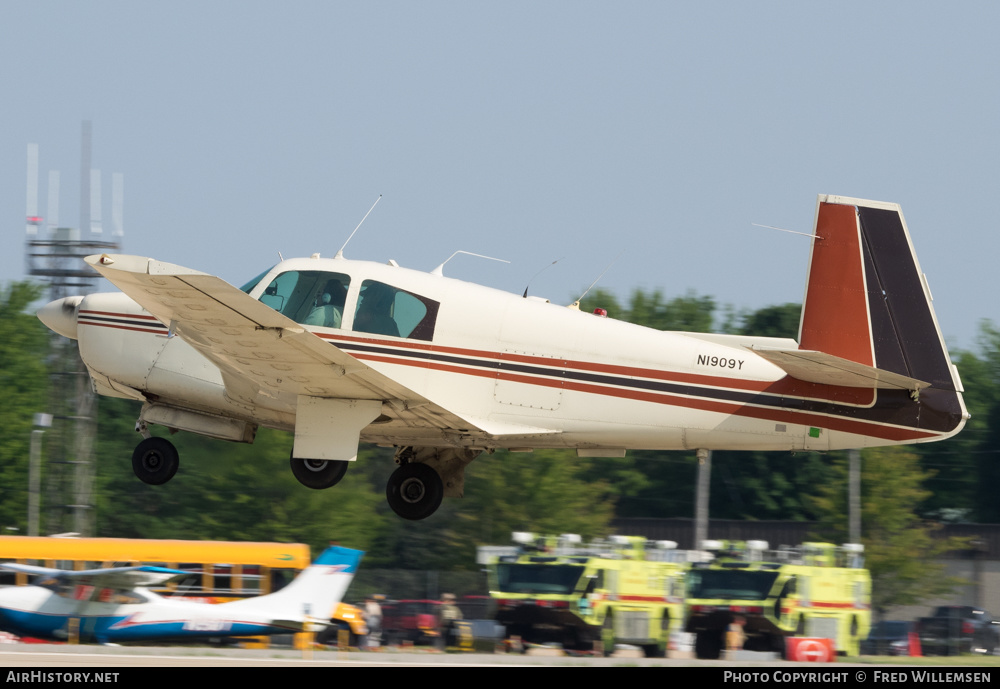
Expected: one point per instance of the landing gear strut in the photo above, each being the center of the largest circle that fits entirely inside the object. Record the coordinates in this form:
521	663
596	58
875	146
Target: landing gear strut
414	491
318	473
155	460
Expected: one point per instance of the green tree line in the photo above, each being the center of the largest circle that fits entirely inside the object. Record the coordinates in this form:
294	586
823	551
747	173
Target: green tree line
229	491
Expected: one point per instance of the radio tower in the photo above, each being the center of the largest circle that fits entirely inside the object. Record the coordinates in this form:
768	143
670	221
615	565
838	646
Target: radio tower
55	254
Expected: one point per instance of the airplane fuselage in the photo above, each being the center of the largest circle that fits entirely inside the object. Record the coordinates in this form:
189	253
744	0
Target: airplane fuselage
36	611
565	378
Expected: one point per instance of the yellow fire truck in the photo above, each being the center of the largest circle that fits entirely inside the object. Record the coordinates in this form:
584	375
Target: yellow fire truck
619	590
813	590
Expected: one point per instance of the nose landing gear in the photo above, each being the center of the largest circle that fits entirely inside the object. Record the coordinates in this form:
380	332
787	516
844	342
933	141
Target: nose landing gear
318	473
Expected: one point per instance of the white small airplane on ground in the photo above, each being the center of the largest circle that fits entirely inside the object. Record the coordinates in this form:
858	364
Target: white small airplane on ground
339	351
114	605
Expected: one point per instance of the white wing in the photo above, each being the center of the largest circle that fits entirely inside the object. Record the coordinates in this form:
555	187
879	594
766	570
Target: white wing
114	577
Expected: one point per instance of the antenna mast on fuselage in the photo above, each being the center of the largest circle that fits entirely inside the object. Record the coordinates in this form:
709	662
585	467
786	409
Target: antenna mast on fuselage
440	269
576	304
340	254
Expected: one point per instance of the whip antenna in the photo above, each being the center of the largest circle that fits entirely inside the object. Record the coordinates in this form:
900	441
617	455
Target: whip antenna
782	229
576	304
340	254
440	269
525	295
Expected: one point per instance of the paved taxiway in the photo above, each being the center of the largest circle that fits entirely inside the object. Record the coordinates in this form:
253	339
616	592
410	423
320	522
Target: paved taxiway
97	658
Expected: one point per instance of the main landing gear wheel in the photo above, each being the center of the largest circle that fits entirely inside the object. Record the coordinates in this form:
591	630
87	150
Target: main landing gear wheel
414	491
318	473
155	461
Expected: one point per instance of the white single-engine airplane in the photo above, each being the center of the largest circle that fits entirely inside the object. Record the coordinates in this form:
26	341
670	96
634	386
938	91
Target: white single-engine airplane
338	351
114	605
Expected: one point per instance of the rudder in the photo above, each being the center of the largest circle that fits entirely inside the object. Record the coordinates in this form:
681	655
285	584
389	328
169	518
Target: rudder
866	298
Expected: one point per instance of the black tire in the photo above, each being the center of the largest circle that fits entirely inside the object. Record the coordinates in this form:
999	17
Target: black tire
779	645
331	635
576	640
708	645
155	461
318	473
414	491
652	651
608	631
657	650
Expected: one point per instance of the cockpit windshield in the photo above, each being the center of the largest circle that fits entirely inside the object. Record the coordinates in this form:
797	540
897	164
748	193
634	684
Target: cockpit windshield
538	578
736	584
310	297
248	288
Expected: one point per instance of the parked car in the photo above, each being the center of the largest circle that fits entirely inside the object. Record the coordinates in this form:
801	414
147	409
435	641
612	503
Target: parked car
415	621
888	638
957	629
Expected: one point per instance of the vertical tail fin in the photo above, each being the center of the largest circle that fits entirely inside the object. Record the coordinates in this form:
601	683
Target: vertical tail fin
315	591
866	298
869	338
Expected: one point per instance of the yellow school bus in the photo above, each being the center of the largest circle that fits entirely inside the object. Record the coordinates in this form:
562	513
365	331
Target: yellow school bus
220	570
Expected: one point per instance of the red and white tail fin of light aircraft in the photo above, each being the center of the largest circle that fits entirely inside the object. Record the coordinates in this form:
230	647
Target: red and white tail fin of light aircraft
338	351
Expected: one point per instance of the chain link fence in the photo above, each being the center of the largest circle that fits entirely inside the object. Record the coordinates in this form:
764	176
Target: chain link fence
470	588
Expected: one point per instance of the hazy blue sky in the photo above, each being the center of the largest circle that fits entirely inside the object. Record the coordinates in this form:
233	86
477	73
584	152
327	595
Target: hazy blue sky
529	131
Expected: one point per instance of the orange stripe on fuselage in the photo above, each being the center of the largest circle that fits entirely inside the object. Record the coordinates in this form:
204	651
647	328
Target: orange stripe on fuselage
115	314
836	423
787	386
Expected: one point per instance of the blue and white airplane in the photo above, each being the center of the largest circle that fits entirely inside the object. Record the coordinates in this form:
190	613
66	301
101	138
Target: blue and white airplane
115	605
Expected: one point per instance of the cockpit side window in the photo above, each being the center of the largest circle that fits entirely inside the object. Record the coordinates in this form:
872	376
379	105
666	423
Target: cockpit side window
387	310
309	297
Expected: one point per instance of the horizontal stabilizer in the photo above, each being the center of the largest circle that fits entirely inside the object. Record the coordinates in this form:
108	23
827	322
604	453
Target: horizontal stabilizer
826	369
